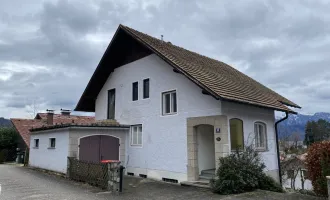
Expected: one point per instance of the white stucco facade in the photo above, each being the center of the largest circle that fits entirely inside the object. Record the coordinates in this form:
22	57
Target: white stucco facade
164	148
67	144
54	159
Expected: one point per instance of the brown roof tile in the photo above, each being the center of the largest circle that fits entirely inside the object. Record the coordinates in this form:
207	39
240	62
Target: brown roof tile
218	78
23	126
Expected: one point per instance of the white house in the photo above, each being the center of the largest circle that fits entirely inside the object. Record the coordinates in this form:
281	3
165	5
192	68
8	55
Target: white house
184	110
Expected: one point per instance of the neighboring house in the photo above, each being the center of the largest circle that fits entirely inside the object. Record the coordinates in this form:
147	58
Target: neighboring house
23	126
181	110
295	173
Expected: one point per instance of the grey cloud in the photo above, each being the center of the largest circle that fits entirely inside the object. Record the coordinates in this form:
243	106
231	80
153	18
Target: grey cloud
284	46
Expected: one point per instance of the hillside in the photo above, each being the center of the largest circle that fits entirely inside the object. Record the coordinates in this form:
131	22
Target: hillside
296	123
5	122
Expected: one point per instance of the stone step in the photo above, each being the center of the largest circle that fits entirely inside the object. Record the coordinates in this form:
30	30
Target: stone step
208	172
206	177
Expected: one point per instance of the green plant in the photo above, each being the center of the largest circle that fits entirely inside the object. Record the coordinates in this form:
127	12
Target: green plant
242	172
318	165
2	156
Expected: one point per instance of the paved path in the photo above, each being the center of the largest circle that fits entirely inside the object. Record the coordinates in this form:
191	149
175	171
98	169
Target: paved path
26	184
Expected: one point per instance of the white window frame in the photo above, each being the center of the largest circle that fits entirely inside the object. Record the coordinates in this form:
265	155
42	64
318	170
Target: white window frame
171	102
35	143
257	133
50	143
136	131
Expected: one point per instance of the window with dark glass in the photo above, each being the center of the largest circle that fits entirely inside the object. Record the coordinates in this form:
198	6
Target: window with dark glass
146	88
52	142
111	103
135	91
169	103
36	143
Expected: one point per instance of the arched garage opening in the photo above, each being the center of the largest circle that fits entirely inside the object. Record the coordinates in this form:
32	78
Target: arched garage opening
95	148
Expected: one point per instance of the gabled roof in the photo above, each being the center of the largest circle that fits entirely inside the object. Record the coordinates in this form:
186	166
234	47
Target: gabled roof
23	126
216	78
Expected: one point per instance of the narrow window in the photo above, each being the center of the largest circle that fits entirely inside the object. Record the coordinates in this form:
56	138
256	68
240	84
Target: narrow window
52	142
169	103
136	135
111	103
260	136
146	88
236	134
135	91
36	143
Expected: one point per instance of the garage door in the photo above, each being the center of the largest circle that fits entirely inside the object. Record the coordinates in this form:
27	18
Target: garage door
99	147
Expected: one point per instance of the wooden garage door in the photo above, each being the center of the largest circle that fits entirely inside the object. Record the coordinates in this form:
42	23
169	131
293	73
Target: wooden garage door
99	147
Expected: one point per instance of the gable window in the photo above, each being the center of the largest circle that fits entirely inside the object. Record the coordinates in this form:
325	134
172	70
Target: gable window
260	135
52	142
136	135
169	103
236	134
36	143
146	88
135	91
111	103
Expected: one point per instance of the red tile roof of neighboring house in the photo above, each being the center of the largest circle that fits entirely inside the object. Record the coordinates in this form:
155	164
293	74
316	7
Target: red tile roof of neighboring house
23	126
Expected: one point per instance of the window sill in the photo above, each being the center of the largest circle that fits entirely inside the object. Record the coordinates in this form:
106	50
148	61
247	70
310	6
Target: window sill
35	147
51	148
261	150
136	145
170	114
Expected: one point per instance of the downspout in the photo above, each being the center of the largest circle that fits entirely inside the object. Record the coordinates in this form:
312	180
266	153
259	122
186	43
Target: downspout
278	148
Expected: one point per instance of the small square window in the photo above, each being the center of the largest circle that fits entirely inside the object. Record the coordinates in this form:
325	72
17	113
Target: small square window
52	142
136	135
169	103
135	91
146	88
36	143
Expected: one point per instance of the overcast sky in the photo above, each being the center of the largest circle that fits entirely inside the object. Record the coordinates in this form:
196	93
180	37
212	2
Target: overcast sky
49	49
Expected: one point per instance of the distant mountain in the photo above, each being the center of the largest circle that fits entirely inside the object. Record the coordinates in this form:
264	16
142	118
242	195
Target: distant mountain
296	123
5	122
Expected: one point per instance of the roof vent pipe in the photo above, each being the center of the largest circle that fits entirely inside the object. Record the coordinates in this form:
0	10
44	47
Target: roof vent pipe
50	117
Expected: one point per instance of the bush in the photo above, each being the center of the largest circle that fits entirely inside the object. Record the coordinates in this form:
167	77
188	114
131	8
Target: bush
2	156
318	165
242	172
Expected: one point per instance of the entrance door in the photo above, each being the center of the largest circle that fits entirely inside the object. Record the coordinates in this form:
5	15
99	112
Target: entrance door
111	103
96	148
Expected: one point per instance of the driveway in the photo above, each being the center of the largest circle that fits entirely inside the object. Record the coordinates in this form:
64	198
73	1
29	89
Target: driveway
26	184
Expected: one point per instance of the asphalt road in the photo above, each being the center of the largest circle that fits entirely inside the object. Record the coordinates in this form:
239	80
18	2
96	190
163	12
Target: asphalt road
21	183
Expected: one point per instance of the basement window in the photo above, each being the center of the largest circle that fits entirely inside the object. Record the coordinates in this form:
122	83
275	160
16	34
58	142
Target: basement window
169	102
52	143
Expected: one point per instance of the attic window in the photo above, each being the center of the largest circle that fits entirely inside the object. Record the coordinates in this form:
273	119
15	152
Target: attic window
169	103
135	91
146	88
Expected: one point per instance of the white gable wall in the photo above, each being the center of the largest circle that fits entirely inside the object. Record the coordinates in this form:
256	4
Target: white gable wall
46	158
164	137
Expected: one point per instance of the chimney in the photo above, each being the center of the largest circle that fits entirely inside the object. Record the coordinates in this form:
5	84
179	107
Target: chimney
65	112
50	117
162	37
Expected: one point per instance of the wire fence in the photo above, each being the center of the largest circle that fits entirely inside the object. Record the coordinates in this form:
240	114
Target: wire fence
93	173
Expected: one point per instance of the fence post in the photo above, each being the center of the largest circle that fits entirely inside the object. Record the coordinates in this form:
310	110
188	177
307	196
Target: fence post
68	168
121	173
328	183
